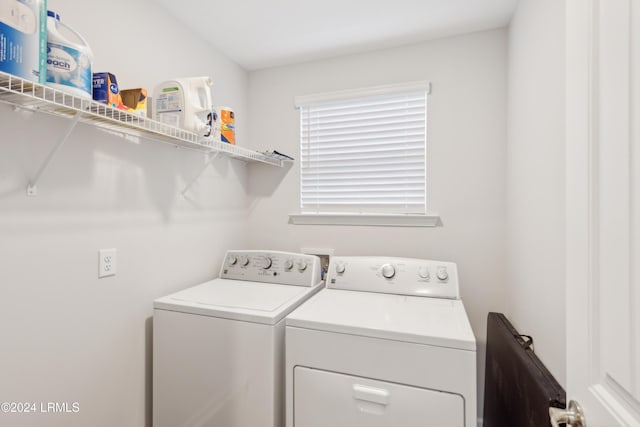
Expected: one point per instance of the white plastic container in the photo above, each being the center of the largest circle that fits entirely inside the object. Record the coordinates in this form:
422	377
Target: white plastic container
23	38
185	103
69	62
19	16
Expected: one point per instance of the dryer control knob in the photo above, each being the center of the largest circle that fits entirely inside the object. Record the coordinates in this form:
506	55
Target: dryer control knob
423	272
288	265
264	262
302	265
233	260
244	260
340	268
388	271
442	273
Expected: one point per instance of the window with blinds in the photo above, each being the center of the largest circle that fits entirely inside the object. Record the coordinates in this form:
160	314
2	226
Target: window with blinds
364	151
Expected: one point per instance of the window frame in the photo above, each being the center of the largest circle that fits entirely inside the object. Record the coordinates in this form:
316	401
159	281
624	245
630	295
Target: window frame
426	219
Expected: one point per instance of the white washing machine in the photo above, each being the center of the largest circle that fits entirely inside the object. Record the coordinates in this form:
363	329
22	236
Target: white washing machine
218	348
387	344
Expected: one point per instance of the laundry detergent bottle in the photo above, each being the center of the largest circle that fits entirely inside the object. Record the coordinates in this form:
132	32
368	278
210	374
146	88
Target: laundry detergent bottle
185	103
69	59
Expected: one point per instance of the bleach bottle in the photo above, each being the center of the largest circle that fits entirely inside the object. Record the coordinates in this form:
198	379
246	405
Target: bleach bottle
68	62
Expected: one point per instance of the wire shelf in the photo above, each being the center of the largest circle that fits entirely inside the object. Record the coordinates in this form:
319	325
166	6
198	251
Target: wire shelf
29	95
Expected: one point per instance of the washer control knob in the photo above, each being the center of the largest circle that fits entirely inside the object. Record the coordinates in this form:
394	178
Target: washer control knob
340	268
388	271
264	262
442	273
288	265
244	260
423	272
302	265
232	260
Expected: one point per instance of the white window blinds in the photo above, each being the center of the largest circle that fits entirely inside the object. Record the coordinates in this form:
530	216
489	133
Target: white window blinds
364	154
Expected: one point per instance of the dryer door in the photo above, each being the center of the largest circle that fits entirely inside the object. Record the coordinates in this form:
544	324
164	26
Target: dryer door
328	399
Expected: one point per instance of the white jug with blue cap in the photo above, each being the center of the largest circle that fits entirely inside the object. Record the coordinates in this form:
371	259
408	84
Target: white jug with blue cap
69	59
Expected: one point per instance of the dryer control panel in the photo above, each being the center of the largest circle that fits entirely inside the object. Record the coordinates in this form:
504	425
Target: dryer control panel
401	276
284	268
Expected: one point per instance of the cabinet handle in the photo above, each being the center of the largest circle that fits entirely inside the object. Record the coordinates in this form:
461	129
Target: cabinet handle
371	394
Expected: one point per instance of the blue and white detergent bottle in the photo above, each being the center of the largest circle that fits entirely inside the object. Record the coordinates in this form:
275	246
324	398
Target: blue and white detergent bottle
68	62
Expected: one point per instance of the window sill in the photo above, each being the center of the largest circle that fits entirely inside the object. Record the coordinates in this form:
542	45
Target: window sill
383	220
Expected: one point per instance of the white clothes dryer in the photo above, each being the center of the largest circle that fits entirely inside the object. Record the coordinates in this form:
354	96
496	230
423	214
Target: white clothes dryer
218	348
387	344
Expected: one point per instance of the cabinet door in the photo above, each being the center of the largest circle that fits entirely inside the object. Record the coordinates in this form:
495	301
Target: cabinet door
328	399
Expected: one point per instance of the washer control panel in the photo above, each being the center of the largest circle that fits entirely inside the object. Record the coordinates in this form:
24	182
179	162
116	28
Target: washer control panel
285	268
402	276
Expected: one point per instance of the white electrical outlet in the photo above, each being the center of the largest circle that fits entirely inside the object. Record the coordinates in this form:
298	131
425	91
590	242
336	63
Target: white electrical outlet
108	262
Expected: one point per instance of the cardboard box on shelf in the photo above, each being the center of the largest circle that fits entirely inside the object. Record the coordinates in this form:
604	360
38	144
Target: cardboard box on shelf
23	39
135	100
105	89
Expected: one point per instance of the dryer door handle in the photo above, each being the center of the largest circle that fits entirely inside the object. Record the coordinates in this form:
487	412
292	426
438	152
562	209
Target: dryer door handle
371	394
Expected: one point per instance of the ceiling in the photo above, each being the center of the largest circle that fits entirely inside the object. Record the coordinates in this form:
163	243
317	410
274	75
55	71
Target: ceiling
267	33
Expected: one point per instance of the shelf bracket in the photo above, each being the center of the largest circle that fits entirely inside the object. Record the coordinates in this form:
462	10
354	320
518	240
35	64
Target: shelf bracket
197	176
32	189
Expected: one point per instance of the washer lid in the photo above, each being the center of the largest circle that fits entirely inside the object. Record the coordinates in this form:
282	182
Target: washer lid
430	321
238	300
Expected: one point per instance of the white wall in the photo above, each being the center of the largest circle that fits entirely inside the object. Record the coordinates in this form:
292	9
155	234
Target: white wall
66	335
69	337
466	160
535	179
